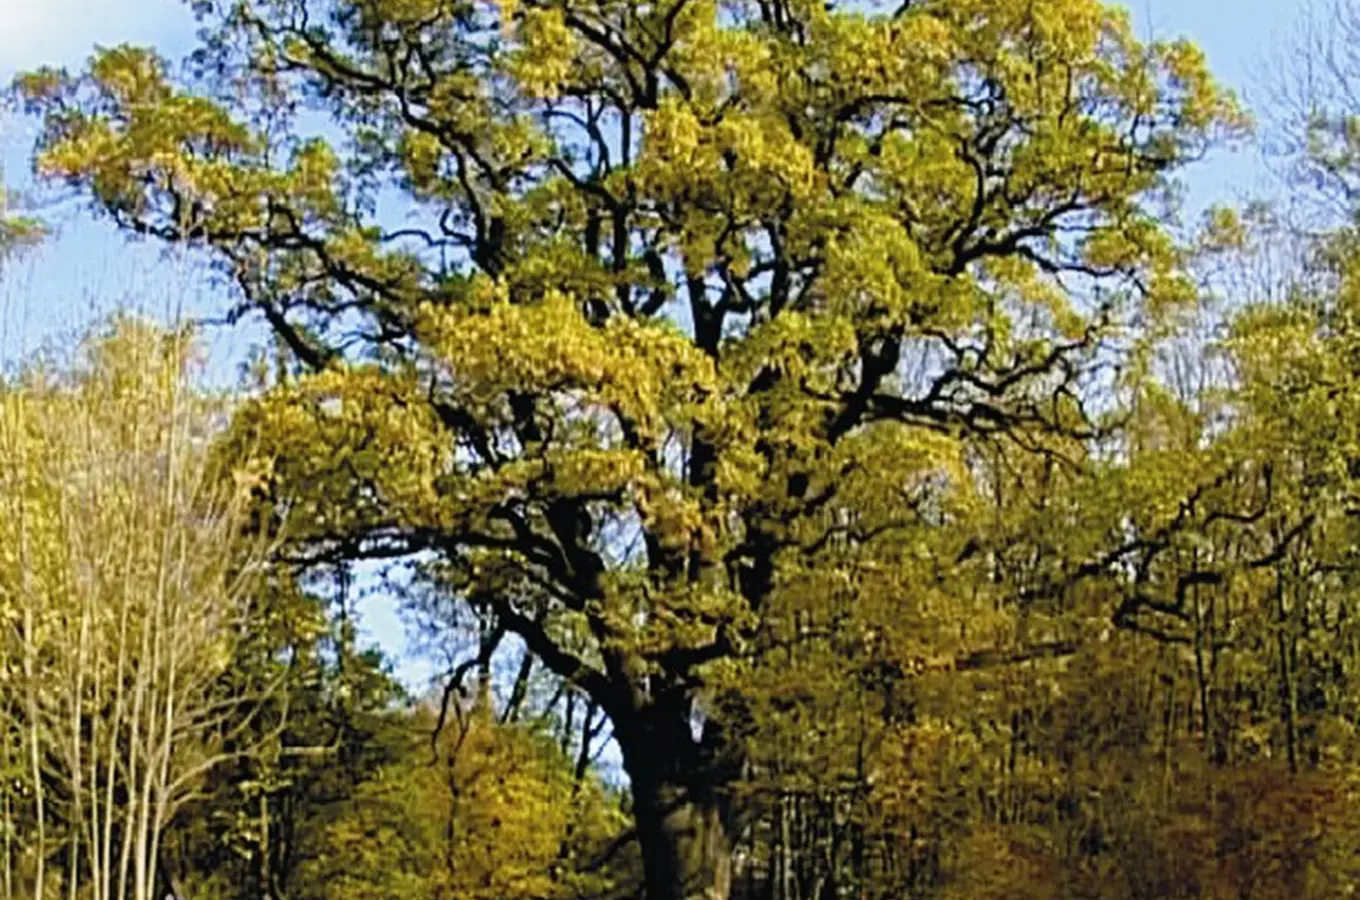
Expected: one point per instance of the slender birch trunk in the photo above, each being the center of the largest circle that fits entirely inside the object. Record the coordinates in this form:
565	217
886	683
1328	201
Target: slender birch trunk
130	597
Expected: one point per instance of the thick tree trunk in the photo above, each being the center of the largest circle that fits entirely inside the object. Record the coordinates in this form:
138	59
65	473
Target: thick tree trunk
686	848
681	803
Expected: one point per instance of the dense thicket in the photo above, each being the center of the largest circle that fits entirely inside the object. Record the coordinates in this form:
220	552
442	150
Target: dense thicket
824	399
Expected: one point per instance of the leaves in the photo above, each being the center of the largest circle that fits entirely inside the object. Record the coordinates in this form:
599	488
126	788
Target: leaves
791	380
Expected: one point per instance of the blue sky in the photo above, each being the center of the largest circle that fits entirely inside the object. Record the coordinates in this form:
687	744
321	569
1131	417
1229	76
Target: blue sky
87	268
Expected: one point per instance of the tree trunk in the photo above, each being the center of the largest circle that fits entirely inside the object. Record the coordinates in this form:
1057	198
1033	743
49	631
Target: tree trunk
686	847
681	801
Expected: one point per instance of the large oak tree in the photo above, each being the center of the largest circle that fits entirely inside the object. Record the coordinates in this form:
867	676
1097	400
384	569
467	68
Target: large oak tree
662	333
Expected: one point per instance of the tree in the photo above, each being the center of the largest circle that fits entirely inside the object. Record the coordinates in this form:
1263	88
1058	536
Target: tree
1308	100
335	717
710	325
125	580
494	812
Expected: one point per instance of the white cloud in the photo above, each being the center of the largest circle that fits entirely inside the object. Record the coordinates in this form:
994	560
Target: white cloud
63	32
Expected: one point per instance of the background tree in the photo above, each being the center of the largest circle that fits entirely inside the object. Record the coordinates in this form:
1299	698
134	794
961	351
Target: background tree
125	584
496	813
334	717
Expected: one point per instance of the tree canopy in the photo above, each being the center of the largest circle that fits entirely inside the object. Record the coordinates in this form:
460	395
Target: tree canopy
813	389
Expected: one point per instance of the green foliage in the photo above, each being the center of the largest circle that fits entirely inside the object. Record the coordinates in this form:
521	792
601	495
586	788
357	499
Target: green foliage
816	391
493	813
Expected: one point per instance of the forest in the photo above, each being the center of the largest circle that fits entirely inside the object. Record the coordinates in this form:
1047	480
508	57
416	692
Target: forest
827	452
